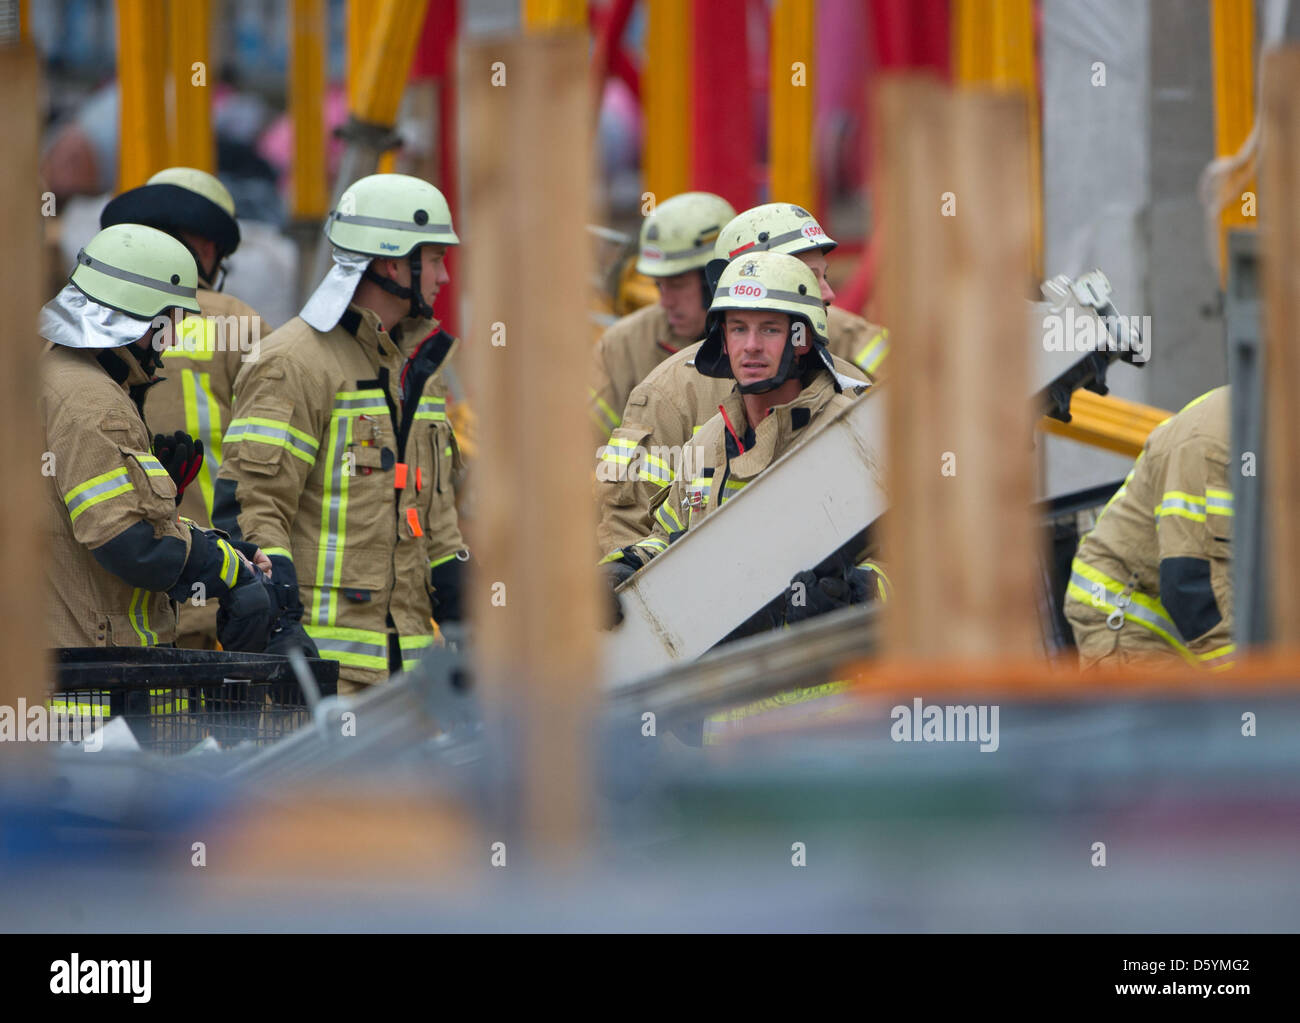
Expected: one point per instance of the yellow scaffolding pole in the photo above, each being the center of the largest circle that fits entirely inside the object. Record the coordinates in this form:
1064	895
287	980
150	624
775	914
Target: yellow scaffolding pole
793	160
189	23
548	15
665	99
1107	422
1232	43
142	129
361	18
993	45
309	196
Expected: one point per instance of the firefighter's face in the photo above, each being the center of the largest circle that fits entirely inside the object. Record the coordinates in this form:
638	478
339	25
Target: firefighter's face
755	341
683	301
816	260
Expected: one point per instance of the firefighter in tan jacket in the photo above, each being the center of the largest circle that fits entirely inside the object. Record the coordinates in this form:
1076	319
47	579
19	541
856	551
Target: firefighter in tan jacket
199	368
675	244
665	410
766	334
340	460
1152	578
120	553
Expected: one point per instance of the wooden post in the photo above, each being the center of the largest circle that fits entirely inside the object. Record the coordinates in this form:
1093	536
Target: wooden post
1279	225
954	199
533	592
22	526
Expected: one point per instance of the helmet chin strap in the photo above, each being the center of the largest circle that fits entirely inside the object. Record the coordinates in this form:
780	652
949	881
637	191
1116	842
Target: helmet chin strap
420	309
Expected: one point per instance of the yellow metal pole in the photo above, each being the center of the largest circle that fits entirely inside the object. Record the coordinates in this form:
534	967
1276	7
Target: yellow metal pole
386	60
993	45
1232	43
142	136
665	98
794	169
189	23
309	196
549	15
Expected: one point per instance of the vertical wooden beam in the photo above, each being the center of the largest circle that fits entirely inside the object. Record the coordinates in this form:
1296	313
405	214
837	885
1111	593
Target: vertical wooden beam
666	83
141	49
1232	44
953	196
189	24
533	591
1279	225
790	126
22	529
309	196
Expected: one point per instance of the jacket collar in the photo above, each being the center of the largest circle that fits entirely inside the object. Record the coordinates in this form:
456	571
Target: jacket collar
363	324
122	365
778	431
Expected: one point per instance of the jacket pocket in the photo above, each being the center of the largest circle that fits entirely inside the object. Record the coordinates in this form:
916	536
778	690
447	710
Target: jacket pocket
150	478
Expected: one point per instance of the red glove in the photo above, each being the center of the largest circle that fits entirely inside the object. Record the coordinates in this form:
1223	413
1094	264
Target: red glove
181	456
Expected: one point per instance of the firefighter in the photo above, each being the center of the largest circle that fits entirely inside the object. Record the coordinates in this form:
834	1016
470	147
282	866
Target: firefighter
766	334
340	460
194	396
121	555
1152	579
673	401
675	244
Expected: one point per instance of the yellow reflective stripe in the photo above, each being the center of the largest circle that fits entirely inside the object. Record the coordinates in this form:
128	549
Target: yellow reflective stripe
611	418
653	543
873	353
97	489
883	585
268	551
203	420
371	401
359	648
275	432
1181	504
181	702
443	560
98	709
151	465
1142	609
196	338
667	516
137	613
333	523
412	645
434	409
656	470
1218	502
229	564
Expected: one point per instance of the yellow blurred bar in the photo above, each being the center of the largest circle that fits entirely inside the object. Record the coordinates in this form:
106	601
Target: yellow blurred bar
993	45
386	60
1232	43
141	42
361	18
547	15
793	166
188	26
309	196
1107	422
24	20
665	98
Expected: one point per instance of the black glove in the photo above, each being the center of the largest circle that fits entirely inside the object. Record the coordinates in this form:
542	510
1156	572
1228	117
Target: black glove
290	635
246	614
616	573
446	580
827	590
181	456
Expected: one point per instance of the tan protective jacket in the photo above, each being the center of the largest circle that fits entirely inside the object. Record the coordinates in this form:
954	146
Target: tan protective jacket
662	415
194	394
331	470
858	341
101	479
717	475
622	358
1152	579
